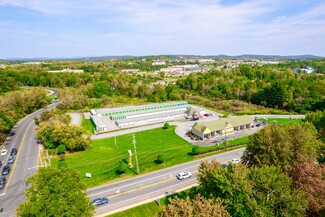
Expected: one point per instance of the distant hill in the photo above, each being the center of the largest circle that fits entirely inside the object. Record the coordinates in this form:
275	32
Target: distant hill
244	56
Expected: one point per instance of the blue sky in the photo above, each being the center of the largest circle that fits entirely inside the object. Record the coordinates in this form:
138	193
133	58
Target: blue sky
74	28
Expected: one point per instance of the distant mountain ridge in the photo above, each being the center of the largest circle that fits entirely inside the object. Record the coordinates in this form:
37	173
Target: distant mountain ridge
221	56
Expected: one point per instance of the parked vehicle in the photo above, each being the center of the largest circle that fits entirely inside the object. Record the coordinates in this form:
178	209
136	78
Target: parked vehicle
3	182
100	201
13	151
184	175
4	152
11	160
5	170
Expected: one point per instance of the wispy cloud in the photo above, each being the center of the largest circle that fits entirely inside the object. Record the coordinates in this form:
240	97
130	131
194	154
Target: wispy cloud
174	26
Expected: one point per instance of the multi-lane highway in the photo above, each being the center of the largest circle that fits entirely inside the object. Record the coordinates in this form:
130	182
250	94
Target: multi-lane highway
129	193
24	139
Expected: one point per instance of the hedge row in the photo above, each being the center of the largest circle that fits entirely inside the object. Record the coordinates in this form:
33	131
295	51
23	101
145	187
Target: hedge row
217	149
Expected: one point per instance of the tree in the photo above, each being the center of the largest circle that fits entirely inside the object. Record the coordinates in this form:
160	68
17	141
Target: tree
281	146
61	149
122	167
265	191
166	125
310	177
54	192
160	159
199	206
195	150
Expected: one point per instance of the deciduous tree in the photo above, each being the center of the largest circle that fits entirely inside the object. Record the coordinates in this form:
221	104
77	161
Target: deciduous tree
199	206
54	192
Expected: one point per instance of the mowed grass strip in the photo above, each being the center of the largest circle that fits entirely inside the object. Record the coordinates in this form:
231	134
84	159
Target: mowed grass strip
103	158
87	125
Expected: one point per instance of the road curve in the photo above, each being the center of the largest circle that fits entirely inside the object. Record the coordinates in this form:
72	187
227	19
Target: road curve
26	162
145	188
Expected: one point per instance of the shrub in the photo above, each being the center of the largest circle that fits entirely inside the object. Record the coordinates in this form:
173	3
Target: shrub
61	149
166	126
195	150
62	164
122	167
160	159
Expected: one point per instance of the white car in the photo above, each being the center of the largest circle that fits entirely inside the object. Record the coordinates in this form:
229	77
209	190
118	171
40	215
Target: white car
235	160
184	175
4	152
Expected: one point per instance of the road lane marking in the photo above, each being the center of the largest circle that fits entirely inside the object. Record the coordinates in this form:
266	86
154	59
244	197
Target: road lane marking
21	144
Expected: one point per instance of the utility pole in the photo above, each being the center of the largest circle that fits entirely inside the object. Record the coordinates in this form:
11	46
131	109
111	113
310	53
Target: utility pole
226	135
135	153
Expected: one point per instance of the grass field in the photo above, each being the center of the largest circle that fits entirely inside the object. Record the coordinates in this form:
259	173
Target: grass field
147	210
86	124
102	159
283	121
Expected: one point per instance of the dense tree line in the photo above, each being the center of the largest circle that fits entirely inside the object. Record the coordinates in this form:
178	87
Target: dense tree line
274	86
16	105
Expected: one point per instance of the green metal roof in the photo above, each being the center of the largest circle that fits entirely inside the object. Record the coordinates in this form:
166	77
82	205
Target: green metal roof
220	124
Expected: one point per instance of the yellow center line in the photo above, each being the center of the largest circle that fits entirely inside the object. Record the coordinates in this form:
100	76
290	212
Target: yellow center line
21	144
147	186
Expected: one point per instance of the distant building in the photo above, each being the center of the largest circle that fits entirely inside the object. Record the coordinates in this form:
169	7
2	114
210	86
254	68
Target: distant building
130	70
67	70
203	61
307	70
32	63
2	66
158	63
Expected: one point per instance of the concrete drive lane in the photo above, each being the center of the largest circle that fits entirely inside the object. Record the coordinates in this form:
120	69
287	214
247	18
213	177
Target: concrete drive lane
128	193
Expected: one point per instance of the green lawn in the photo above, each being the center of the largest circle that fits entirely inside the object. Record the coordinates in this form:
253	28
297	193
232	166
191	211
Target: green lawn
86	124
147	210
282	121
102	159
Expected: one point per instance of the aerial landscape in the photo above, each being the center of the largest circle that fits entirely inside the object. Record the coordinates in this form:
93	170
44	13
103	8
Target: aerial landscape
156	108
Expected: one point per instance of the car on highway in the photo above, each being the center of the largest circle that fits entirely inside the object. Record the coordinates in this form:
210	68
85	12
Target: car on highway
184	175
0	163
13	151
100	201
11	160
4	151
3	182
258	125
235	161
5	170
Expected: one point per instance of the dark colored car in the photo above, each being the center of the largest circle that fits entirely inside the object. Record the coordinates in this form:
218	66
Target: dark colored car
13	151
258	125
0	163
11	160
3	182
100	201
5	170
